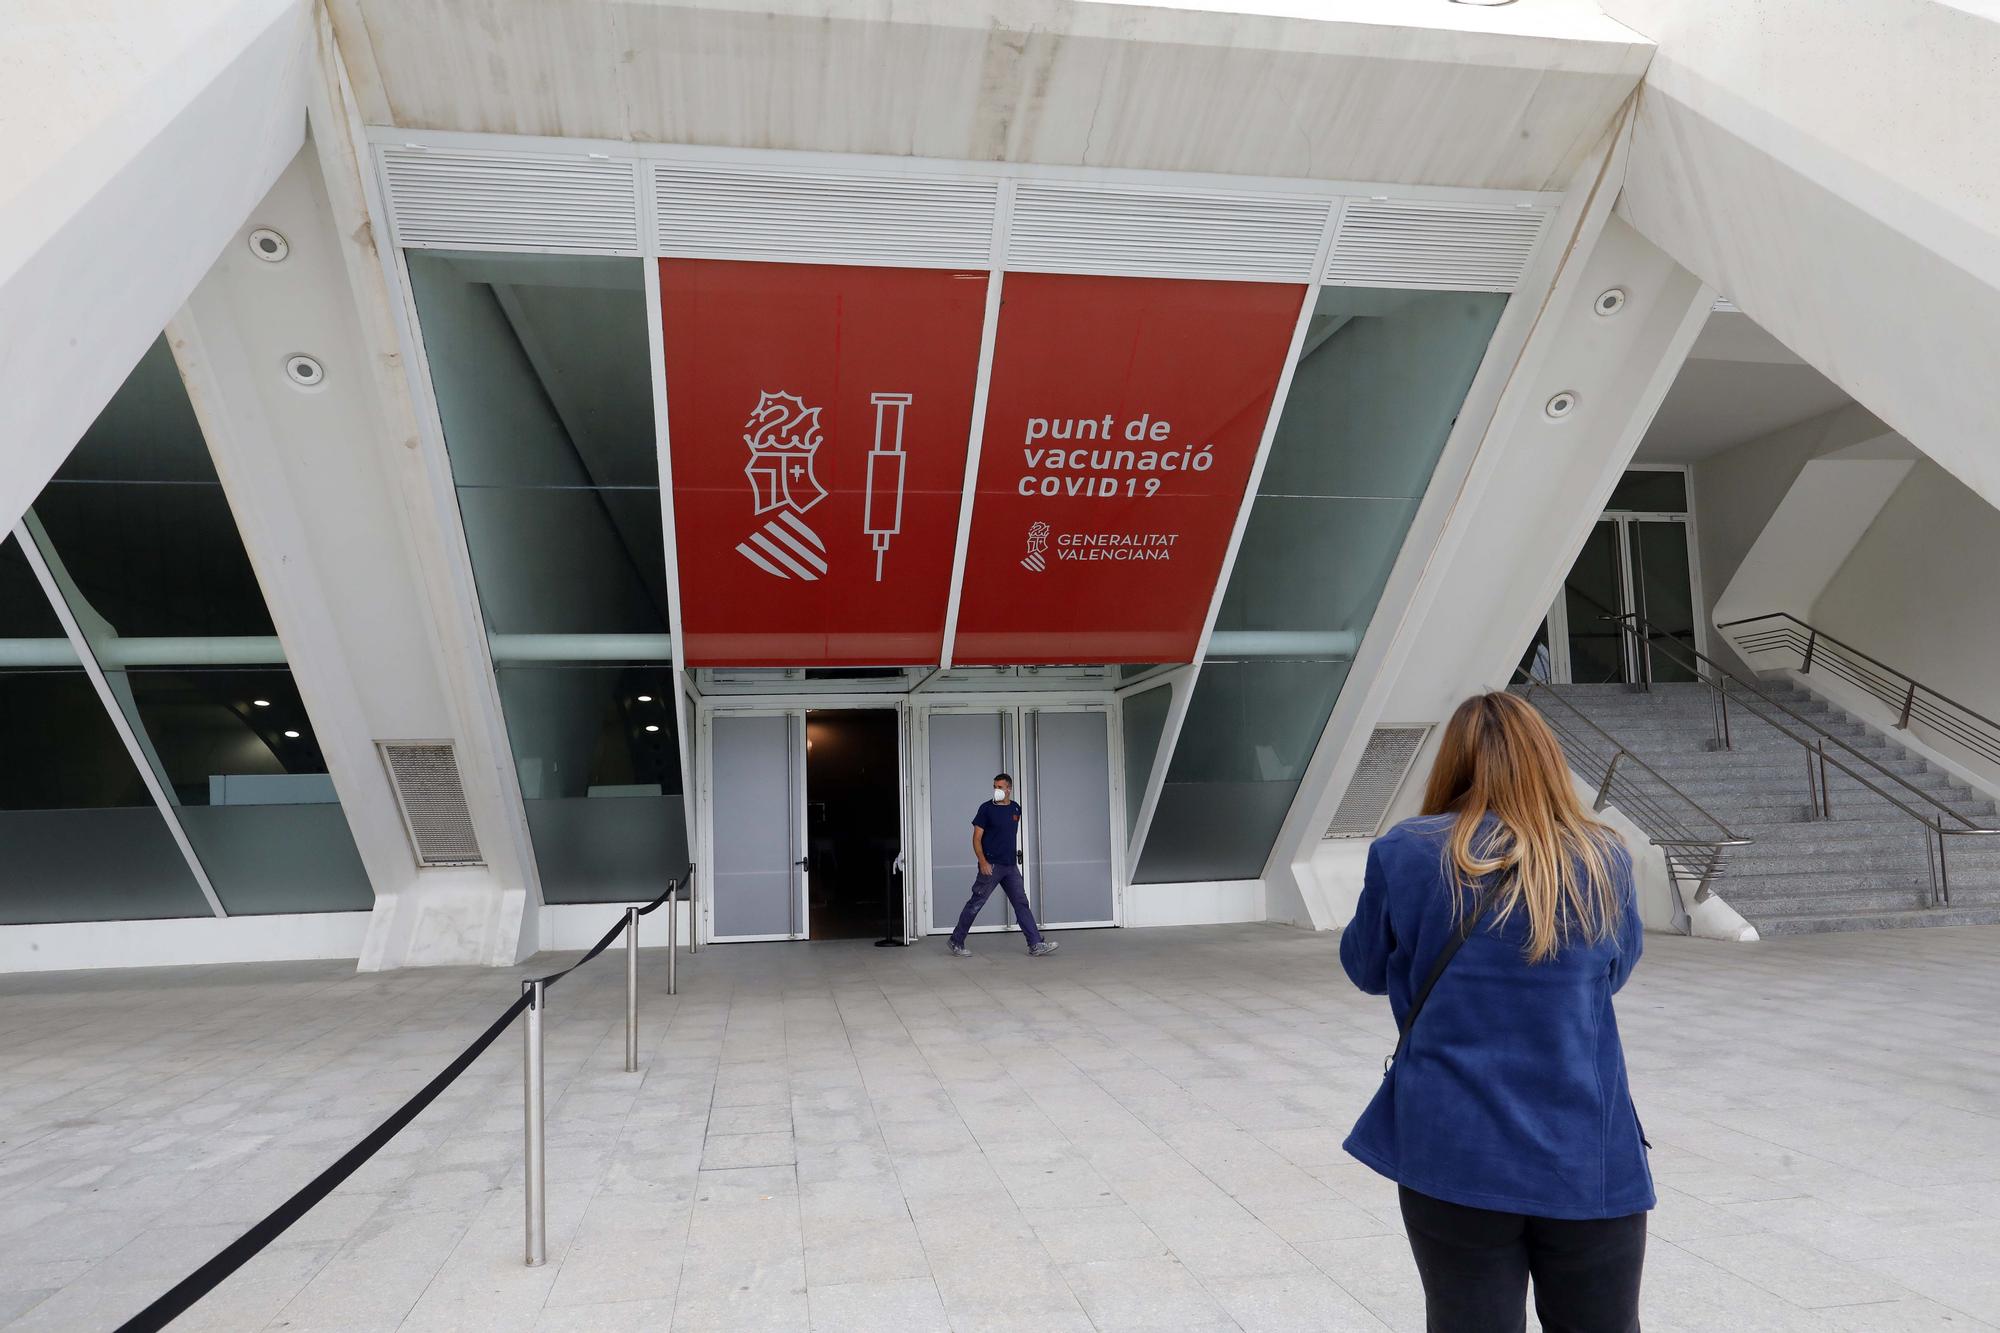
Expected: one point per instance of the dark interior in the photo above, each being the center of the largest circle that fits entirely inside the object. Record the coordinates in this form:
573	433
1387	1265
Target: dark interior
853	822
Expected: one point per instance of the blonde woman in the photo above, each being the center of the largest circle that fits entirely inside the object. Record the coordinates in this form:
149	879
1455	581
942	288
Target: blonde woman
1499	923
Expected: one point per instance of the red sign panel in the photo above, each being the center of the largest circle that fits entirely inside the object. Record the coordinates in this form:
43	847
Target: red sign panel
818	418
1121	426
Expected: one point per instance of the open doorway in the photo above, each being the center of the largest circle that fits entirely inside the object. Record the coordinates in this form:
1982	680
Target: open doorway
853	823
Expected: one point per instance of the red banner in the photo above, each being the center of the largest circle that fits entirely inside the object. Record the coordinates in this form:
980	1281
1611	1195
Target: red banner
1121	426
818	418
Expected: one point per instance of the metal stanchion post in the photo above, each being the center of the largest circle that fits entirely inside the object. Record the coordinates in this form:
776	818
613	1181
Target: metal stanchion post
674	940
531	1104
631	990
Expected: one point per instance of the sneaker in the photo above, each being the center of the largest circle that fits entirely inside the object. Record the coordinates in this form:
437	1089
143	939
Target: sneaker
960	951
1045	948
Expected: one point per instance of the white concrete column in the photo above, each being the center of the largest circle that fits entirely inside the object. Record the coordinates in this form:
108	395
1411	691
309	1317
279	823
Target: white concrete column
1510	504
348	515
137	138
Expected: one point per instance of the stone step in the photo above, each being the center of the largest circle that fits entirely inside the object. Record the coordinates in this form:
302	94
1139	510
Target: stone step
1824	922
1866	868
1810	893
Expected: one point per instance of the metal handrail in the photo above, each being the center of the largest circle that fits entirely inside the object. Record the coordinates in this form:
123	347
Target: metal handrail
1913	700
1688	856
1817	759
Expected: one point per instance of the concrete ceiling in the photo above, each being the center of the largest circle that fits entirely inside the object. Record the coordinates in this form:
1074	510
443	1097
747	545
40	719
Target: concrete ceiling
1738	383
1507	98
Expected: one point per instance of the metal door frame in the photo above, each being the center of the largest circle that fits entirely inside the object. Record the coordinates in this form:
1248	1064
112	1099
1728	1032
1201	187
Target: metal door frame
707	706
1016	706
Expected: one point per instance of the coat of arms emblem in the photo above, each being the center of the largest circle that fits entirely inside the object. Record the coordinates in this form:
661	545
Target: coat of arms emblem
784	436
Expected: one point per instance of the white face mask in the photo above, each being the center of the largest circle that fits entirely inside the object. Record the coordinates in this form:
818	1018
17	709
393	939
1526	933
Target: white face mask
999	793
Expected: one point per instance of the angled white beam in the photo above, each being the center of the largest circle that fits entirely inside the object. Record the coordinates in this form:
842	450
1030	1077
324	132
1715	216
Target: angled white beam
351	531
138	138
1508	506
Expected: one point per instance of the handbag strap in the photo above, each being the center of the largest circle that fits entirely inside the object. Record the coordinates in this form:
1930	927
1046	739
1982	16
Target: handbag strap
1484	904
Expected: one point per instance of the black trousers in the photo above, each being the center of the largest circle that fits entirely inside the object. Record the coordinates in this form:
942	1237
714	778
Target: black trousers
1476	1264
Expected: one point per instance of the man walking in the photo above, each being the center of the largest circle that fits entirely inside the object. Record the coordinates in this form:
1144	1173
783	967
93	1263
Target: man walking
996	842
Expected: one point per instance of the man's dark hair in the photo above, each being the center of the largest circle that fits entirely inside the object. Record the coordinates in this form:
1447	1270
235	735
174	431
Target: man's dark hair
1002	777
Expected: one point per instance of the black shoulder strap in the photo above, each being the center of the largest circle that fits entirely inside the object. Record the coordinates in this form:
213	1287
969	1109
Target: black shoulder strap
1470	923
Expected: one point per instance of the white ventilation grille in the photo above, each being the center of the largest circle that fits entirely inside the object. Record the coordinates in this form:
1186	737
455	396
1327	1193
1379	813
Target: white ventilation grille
713	212
1434	245
1147	233
425	776
493	201
1384	765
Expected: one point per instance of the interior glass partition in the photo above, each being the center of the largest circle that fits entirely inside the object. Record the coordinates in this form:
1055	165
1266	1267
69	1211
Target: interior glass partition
539	365
80	836
1380	380
141	545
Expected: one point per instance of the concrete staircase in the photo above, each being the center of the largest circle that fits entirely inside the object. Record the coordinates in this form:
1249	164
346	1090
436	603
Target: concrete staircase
1864	869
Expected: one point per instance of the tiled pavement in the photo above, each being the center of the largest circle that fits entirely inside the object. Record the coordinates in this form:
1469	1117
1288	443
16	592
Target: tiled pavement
1141	1132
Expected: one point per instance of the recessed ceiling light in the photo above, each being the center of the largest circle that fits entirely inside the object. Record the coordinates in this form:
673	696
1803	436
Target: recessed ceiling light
260	703
652	726
292	735
645	698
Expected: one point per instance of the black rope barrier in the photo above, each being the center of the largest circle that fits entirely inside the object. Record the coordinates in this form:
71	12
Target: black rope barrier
246	1246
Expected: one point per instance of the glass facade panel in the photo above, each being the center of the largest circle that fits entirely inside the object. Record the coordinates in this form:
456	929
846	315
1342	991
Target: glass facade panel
80	837
1248	736
543	385
140	540
1379	383
1145	721
600	772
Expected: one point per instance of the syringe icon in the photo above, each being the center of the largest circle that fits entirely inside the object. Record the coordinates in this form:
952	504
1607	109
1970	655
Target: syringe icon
883	517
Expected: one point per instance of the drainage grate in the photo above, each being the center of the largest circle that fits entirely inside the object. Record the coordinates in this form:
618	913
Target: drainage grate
1384	765
425	776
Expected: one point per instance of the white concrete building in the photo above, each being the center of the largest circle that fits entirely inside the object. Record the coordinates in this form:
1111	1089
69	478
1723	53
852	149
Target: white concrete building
463	467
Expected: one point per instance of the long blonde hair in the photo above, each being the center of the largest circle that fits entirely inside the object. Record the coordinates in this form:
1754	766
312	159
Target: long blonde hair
1553	857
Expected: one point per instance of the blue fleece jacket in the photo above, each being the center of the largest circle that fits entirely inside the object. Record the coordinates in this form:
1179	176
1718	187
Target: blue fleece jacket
1511	1093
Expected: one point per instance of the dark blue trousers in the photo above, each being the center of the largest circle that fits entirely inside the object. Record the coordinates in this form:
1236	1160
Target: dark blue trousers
1009	879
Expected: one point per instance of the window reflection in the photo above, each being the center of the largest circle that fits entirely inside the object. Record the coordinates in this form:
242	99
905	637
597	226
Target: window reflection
1380	379
141	544
598	755
80	836
540	369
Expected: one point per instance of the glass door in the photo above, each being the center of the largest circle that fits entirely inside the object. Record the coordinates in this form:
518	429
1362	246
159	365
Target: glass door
1635	566
1593	596
1663	594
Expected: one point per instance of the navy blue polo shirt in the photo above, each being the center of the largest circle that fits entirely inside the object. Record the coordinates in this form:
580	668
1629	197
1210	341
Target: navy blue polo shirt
1003	831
